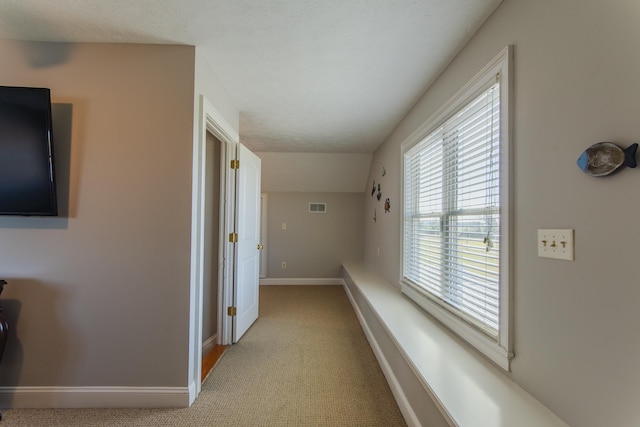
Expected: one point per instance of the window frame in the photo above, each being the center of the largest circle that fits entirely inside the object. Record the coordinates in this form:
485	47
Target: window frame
500	348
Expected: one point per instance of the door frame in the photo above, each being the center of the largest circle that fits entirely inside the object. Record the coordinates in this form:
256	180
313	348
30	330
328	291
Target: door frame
263	235
210	121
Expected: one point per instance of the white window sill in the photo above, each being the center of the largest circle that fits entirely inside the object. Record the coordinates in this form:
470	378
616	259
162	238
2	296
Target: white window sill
469	390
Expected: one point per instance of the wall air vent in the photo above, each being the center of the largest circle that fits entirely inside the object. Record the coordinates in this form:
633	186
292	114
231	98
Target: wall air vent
317	207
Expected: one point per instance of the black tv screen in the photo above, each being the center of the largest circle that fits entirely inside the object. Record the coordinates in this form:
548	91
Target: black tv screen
27	179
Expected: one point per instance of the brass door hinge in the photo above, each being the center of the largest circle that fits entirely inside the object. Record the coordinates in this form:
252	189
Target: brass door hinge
231	311
235	164
233	237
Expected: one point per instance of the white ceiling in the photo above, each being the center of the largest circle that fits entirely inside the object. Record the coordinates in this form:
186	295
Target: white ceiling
306	75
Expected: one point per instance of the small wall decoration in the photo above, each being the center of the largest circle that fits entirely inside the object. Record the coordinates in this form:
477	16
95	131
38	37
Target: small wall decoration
604	158
377	190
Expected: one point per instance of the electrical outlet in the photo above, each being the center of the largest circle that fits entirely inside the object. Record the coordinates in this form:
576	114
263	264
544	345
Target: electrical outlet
556	243
284	265
284	225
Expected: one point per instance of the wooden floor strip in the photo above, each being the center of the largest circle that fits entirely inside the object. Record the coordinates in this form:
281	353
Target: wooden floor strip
209	361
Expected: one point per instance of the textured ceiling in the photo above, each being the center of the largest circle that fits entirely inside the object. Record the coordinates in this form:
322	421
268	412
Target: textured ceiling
306	75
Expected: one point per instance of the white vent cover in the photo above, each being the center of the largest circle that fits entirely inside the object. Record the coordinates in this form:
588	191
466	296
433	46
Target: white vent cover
317	207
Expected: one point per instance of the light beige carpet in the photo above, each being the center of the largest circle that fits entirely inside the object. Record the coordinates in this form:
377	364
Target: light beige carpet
305	362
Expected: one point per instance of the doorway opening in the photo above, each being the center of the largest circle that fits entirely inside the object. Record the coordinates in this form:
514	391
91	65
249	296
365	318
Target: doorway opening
212	267
263	235
238	255
211	122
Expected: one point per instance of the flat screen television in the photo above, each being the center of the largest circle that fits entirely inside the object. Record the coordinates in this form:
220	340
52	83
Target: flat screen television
27	178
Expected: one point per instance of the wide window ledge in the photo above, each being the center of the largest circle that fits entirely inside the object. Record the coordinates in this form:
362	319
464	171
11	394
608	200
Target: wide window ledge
468	389
483	343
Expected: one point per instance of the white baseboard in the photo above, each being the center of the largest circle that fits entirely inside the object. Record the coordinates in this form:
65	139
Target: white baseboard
302	281
94	397
208	345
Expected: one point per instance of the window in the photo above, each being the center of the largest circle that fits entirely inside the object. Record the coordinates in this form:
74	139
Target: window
455	257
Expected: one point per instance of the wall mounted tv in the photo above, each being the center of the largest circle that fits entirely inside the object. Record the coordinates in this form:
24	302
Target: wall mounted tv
27	179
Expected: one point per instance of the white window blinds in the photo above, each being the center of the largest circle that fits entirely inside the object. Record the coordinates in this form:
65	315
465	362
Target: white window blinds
451	249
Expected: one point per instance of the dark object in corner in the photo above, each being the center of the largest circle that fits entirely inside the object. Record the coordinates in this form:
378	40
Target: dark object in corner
3	328
604	158
3	323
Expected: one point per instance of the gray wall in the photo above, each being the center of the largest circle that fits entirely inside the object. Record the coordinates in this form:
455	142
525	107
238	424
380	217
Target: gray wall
313	245
100	295
314	172
576	83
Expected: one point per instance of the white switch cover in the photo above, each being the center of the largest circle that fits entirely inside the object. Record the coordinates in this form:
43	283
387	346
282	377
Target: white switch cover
556	243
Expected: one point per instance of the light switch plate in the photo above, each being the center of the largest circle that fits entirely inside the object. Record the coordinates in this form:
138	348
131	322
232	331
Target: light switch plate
556	243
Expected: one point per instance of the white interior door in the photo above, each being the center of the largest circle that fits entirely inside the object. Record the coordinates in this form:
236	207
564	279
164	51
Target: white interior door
247	265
